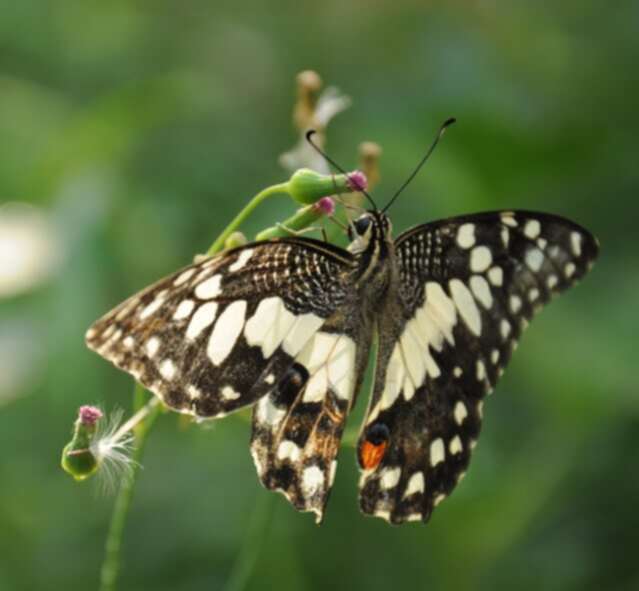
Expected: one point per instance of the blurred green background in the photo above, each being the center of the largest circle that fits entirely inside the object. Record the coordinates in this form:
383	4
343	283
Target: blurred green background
137	129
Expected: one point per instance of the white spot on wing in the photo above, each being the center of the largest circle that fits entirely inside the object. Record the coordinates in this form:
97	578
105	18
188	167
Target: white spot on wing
184	276
268	325
460	412
167	369
184	309
508	218
532	229
569	270
438	499
390	478
151	347
203	317
466	235
496	276
267	413
395	374
209	288
151	308
481	290
193	392
505	236
480	259
575	243
241	261
455	446
515	304
437	452
466	305
415	485
312	480
289	450
228	393
330	360
302	329
504	328
534	259
481	370
226	331
440	310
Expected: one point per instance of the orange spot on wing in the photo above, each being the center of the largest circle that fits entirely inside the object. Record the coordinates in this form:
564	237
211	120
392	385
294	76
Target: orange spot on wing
370	455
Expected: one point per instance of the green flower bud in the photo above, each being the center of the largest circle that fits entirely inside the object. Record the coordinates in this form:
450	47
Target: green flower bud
80	463
307	186
234	240
78	458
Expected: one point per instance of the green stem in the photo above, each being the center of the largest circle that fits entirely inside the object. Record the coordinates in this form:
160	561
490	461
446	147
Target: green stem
241	217
147	415
254	539
111	564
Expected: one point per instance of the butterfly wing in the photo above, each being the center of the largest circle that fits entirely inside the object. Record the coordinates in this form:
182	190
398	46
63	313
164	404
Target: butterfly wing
218	334
468	287
297	428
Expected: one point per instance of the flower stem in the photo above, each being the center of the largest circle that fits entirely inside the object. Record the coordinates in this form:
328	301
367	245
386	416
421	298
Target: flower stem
144	419
254	539
138	417
241	217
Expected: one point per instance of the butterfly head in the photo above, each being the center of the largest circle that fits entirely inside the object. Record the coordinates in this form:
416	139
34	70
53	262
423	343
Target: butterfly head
368	231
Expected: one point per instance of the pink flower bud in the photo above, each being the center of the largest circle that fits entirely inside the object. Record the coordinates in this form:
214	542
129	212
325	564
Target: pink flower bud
325	205
357	180
89	415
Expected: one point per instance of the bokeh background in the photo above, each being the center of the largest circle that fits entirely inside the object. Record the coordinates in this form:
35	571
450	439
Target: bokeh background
130	133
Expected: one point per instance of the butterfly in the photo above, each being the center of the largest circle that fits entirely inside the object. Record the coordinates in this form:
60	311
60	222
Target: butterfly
286	326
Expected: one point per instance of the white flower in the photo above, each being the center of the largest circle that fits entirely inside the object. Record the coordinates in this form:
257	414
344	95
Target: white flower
29	248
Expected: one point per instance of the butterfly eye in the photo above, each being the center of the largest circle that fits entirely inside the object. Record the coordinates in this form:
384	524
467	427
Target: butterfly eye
373	447
362	224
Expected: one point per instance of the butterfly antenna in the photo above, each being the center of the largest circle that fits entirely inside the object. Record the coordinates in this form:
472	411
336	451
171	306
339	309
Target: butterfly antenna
439	135
309	135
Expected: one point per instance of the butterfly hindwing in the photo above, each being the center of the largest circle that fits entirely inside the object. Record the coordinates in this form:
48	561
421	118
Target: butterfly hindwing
216	335
468	287
297	428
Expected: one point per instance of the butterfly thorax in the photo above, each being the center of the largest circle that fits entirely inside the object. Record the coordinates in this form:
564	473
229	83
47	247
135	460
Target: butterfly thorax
375	261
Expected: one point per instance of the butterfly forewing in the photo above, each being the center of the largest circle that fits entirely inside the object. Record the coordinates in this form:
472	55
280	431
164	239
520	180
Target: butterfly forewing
217	335
468	287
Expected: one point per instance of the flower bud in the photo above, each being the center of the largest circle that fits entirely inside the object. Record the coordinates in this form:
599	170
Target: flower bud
325	205
307	186
78	457
234	240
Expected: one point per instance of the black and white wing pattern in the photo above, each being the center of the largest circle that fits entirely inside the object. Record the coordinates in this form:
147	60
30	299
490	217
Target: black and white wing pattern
220	334
468	288
298	426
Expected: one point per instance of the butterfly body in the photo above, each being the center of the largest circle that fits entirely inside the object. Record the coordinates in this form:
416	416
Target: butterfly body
287	326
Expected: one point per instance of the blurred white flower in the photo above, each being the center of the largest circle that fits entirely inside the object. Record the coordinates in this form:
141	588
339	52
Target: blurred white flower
30	250
313	112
